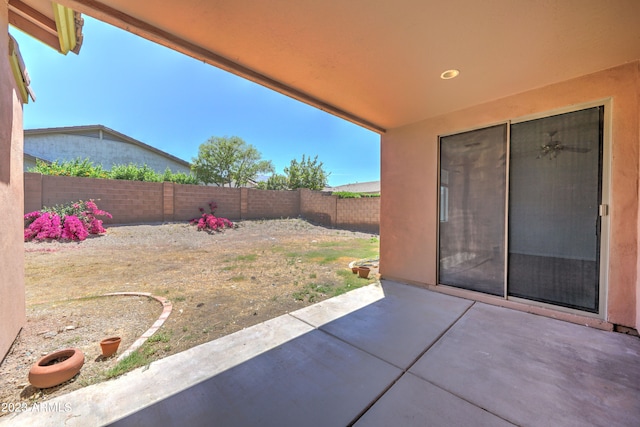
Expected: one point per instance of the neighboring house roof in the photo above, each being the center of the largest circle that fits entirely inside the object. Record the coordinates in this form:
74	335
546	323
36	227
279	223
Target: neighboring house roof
107	133
28	156
358	187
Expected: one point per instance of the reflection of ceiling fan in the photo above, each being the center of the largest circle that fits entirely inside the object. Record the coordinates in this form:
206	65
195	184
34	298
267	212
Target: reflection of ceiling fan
552	148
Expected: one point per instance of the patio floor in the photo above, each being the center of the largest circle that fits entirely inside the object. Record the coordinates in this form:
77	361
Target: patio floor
387	354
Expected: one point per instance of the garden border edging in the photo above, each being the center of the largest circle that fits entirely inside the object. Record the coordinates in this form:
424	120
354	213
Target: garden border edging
166	311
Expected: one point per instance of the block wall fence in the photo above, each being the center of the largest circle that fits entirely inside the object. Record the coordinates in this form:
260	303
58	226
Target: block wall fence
132	202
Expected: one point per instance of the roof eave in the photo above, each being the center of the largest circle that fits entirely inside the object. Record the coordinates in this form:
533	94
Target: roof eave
63	32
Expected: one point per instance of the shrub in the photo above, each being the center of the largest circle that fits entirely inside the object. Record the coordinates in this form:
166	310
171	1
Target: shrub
351	195
73	229
131	172
78	167
307	173
74	221
43	225
209	222
274	182
179	177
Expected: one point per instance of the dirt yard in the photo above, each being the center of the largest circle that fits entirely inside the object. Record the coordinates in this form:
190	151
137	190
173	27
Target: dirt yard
218	284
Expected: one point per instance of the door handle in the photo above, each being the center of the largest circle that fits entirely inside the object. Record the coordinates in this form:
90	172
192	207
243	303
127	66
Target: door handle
603	210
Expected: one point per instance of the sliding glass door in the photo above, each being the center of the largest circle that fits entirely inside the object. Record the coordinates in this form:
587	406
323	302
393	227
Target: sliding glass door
472	186
554	193
554	197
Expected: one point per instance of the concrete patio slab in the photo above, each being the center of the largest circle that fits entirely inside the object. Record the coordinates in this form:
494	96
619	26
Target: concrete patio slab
334	308
321	366
533	370
108	401
313	380
413	402
397	328
279	372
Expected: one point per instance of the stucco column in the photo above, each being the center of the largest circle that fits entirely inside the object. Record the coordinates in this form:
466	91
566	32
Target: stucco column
12	291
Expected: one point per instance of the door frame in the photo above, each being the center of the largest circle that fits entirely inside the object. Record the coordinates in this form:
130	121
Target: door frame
605	218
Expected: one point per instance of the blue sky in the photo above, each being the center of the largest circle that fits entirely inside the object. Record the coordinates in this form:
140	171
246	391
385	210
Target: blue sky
175	103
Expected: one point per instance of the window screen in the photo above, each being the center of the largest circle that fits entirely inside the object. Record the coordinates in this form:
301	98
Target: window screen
472	210
555	191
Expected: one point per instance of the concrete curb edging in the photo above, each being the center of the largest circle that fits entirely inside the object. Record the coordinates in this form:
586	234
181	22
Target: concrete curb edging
166	311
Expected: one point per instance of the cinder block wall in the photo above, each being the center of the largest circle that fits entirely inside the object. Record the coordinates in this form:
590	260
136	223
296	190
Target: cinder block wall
272	204
136	202
128	201
189	198
359	214
354	214
32	192
318	207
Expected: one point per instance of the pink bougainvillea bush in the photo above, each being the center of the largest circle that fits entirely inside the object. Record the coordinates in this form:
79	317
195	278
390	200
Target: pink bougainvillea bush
209	222
64	222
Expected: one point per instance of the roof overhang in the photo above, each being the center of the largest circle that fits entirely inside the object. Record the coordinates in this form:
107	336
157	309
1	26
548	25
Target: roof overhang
378	64
19	71
53	24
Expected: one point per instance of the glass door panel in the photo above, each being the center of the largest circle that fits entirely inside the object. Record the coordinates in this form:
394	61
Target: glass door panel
472	210
554	196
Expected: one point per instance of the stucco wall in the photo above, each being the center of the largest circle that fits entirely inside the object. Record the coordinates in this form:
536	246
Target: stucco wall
410	169
106	152
12	292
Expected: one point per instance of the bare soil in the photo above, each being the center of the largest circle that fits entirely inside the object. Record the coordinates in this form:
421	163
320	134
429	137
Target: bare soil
218	283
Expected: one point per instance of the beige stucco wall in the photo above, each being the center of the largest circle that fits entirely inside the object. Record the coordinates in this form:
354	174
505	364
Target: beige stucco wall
409	181
12	294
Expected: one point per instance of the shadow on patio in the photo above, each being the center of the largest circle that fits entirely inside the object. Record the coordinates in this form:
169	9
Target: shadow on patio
386	354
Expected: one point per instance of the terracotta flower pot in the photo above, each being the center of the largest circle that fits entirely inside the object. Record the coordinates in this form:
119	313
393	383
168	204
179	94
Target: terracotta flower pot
109	346
355	269
363	272
56	368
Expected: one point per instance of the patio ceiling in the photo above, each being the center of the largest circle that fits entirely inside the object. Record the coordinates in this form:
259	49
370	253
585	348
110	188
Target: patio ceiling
378	63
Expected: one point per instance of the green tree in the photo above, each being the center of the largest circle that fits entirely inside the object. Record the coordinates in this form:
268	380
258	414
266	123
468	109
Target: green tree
274	182
308	173
228	161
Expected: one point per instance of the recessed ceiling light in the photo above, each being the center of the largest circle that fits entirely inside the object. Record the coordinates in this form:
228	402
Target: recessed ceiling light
449	74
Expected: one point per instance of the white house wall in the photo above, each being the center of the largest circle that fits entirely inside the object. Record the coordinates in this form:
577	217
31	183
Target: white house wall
29	163
106	152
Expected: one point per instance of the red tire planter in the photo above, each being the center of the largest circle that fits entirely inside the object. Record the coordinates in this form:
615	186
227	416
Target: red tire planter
43	376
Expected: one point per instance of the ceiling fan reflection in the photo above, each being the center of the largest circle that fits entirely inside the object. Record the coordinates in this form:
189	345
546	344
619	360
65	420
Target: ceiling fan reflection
553	147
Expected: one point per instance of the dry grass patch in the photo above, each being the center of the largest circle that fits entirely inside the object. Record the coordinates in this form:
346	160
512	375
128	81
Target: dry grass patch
217	283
